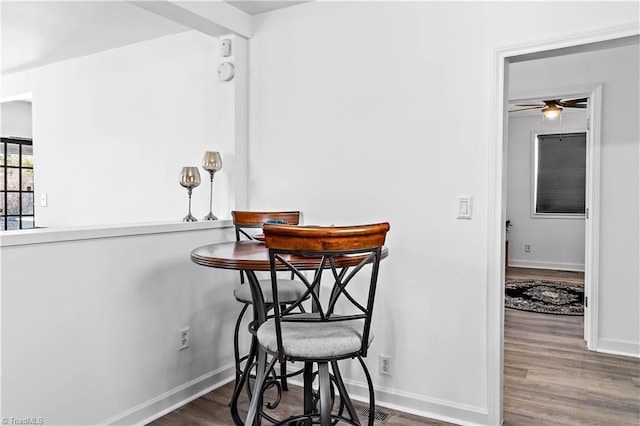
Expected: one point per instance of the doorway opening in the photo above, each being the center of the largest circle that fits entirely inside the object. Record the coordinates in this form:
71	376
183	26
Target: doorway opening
542	239
17	208
16	184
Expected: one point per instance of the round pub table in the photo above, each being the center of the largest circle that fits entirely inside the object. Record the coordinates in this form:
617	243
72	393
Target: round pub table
251	256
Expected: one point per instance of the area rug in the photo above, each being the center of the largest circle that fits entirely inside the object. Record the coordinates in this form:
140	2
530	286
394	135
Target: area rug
548	297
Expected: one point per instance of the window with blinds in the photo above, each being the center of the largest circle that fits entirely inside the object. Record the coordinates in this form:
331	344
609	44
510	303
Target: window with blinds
560	174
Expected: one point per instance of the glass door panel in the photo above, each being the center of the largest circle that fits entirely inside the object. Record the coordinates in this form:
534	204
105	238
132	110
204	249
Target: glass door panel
13	179
27	203
13	154
13	203
27	179
27	156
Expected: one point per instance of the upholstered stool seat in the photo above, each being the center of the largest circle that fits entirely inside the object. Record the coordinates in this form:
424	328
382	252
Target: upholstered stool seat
302	340
288	291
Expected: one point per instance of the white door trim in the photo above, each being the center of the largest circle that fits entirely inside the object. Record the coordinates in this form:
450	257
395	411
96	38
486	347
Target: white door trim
592	229
497	197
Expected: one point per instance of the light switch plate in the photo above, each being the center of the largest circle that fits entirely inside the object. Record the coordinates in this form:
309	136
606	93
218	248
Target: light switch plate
464	207
226	47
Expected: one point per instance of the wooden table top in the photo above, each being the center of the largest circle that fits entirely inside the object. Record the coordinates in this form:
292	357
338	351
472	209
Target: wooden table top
254	256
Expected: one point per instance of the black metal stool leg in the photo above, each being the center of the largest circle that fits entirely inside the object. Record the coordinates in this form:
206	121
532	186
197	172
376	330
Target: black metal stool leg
342	390
283	366
240	383
283	376
324	382
254	414
236	335
307	376
372	395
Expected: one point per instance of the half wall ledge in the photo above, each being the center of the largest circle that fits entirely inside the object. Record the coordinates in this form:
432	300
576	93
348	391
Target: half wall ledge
50	235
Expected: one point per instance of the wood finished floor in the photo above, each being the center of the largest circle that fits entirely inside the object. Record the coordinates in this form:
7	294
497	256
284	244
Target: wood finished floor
550	379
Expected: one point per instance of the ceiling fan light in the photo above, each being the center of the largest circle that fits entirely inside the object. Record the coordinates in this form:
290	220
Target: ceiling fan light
552	112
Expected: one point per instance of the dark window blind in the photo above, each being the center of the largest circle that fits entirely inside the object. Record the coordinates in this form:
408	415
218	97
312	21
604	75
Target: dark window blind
561	177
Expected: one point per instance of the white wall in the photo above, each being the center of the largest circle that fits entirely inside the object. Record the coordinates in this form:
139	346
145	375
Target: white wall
90	335
555	243
15	119
619	277
112	131
355	117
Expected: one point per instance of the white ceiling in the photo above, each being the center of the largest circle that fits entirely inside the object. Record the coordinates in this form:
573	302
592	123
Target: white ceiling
36	33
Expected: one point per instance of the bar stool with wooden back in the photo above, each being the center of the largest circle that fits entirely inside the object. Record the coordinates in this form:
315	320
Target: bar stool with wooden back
248	225
339	325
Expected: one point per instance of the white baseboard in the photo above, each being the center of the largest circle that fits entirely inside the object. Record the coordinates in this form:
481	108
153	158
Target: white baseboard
418	405
167	402
536	264
619	347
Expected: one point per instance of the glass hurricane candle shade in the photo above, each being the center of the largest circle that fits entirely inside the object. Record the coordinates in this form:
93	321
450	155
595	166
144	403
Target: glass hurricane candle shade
211	162
189	178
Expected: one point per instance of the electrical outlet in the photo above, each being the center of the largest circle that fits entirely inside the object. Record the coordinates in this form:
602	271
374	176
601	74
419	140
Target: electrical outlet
527	248
183	338
384	364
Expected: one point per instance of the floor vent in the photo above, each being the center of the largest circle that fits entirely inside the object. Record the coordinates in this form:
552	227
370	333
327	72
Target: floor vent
379	416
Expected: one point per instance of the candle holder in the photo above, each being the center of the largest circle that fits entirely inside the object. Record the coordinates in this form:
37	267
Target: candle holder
212	162
189	178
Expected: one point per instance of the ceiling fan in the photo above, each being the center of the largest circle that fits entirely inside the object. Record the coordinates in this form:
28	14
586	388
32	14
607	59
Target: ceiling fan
553	108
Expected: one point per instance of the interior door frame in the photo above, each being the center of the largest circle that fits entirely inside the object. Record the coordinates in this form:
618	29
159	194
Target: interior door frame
497	192
592	192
